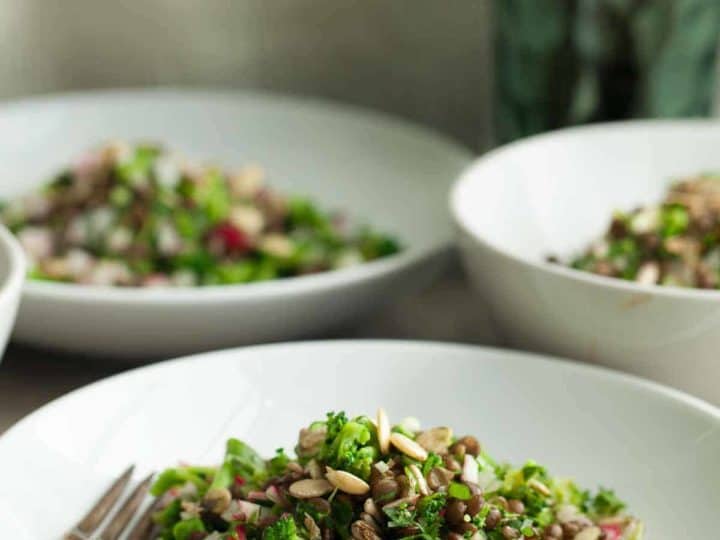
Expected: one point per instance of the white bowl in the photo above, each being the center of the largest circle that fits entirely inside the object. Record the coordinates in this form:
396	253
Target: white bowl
12	275
648	442
554	194
379	170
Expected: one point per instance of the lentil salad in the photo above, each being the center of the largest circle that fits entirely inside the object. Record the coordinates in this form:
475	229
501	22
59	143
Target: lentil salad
673	243
139	215
363	479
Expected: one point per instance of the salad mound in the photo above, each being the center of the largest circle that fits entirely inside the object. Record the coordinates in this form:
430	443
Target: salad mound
138	215
364	479
674	243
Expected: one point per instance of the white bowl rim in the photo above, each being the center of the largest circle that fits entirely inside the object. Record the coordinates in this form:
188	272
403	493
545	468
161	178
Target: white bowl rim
17	266
293	286
469	175
667	393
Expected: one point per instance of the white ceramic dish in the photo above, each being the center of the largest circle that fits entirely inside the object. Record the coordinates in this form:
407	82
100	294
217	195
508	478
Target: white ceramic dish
555	193
657	447
380	170
12	275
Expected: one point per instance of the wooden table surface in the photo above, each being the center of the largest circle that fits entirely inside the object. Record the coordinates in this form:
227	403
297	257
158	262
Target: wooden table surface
31	377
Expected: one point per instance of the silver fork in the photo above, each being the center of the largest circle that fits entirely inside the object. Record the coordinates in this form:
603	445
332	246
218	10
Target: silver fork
91	526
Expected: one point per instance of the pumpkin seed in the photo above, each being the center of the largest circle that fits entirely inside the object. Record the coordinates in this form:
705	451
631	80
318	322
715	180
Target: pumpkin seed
309	488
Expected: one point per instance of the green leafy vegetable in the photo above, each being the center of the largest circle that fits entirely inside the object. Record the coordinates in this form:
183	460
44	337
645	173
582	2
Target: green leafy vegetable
282	529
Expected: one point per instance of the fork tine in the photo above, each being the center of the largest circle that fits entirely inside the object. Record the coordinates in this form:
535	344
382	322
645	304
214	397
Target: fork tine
118	523
145	525
99	512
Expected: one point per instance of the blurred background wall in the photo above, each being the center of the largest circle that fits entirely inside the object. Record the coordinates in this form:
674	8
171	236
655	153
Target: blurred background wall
426	60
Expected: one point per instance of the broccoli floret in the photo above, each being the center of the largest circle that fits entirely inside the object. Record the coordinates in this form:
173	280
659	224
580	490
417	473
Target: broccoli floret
243	461
183	529
606	503
282	529
350	445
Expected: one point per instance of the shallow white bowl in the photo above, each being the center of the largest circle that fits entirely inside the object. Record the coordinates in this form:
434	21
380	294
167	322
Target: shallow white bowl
657	447
379	170
12	275
554	194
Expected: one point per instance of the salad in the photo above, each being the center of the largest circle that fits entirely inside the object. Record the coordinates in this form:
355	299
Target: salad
140	216
676	242
364	479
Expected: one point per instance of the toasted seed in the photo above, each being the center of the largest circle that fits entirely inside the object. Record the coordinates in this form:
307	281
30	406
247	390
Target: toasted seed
312	527
310	488
538	486
371	508
346	482
217	500
362	530
439	477
408	447
310	441
436	439
571	529
591	533
367	518
313	469
383	429
404	500
420	482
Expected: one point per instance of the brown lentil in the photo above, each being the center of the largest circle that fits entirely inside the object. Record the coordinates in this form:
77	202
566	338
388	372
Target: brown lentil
475	504
385	490
455	512
451	463
320	504
493	518
509	532
458	450
516	506
471	444
466	528
553	531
